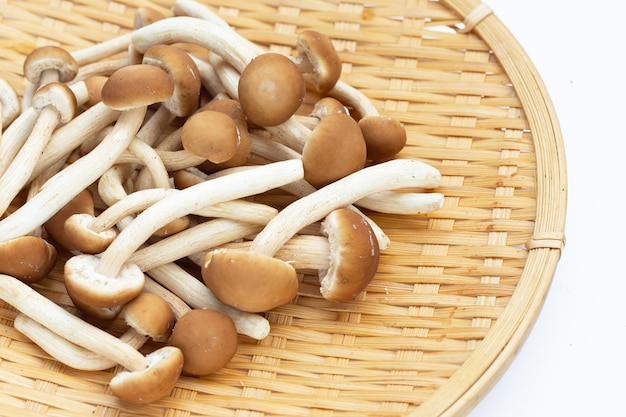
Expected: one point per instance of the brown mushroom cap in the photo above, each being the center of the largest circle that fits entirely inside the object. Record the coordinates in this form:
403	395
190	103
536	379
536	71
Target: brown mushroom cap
27	258
249	281
85	285
155	382
55	226
318	60
59	96
335	149
138	85
145	16
326	106
150	315
233	109
207	338
354	255
94	86
80	235
384	137
271	89
184	73
50	58
212	135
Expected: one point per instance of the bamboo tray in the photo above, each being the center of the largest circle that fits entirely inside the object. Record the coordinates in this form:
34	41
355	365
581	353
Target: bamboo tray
458	290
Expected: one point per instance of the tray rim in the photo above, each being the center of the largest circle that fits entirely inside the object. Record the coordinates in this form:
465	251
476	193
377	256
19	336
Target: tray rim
548	238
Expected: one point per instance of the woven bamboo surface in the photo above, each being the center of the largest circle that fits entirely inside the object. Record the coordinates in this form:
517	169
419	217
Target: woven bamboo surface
457	291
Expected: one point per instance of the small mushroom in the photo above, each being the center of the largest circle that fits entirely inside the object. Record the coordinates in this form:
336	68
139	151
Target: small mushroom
150	316
334	150
271	89
212	135
55	227
47	64
28	258
318	61
146	378
136	86
184	73
208	340
354	255
233	109
384	135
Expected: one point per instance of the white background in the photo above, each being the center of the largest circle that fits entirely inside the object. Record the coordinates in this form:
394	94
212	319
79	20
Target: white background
574	361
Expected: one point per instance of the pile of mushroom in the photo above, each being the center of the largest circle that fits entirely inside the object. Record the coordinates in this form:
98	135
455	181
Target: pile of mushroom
161	147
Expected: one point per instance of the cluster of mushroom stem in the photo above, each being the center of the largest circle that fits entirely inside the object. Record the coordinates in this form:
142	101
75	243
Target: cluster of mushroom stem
134	156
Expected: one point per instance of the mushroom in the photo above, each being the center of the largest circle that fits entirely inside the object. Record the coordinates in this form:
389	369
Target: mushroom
318	61
212	135
251	280
109	280
233	109
207	338
335	149
28	258
149	316
55	226
184	73
47	64
55	104
137	86
146	378
270	90
384	135
354	255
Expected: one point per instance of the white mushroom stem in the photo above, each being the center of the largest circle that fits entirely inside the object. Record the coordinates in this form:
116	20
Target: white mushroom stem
39	308
70	353
16	134
197	295
19	171
303	252
65	185
71	135
101	50
147	155
395	174
177	304
384	202
14	137
172	160
198	238
353	97
237	185
193	30
402	203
